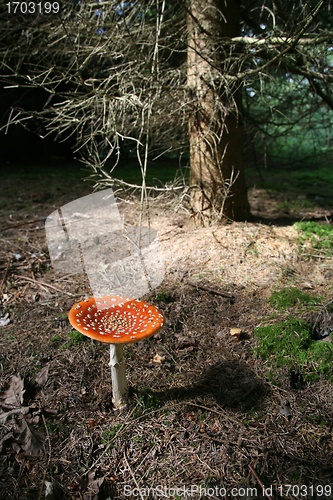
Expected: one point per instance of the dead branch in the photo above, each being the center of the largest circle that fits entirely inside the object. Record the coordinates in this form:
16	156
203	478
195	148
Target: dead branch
255	475
43	285
212	290
21	224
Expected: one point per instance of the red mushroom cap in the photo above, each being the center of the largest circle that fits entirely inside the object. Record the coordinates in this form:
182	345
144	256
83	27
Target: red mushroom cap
116	320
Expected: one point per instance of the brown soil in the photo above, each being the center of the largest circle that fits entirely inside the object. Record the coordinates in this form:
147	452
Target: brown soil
203	415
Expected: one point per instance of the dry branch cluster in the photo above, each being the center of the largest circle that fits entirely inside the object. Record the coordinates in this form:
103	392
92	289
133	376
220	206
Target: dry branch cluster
118	74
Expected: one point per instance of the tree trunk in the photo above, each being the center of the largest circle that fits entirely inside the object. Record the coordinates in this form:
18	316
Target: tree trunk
217	179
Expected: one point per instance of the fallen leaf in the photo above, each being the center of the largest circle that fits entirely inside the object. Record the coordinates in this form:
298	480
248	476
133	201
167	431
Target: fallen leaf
4	439
29	440
21	435
42	376
4	416
13	395
93	487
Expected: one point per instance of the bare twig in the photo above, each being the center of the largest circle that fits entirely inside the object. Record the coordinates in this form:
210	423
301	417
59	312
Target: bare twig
4	276
212	290
49	455
212	410
255	475
43	285
21	224
133	476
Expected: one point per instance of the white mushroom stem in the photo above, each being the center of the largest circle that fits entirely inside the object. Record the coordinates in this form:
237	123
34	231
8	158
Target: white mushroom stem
118	377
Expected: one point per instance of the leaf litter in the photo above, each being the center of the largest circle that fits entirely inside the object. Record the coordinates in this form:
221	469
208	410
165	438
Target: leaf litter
202	410
19	422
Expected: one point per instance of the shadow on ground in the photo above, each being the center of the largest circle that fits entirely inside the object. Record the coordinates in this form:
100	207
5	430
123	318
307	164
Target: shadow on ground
231	383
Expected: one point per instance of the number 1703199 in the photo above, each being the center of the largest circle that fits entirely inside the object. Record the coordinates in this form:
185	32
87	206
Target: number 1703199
33	7
305	491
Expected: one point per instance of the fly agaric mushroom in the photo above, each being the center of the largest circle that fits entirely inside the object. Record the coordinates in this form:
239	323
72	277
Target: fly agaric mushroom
117	321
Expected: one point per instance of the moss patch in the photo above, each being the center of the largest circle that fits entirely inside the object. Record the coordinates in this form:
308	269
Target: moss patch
75	338
290	344
291	297
315	238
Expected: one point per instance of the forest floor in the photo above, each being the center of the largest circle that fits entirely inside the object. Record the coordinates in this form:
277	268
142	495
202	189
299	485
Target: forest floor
208	417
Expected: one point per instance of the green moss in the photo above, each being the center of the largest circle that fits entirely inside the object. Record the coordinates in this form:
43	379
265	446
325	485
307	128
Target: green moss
322	357
165	297
75	338
109	433
56	339
290	297
289	344
148	400
315	238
